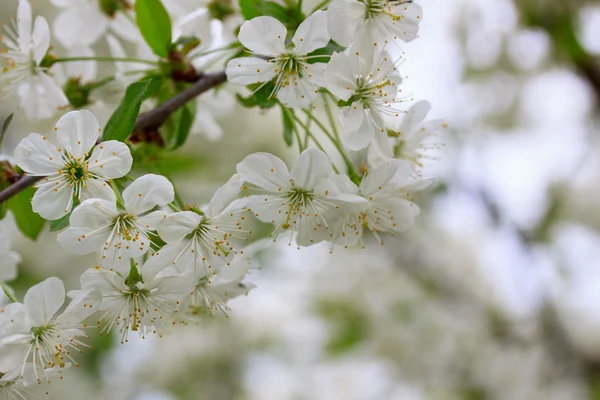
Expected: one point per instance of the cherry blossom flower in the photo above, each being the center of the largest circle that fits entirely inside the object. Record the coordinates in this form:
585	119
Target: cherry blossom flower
296	81
296	200
143	302
368	83
203	240
389	206
25	46
35	332
375	22
413	138
119	233
77	170
83	22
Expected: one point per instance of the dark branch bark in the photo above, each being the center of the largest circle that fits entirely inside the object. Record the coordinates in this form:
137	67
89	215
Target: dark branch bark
151	120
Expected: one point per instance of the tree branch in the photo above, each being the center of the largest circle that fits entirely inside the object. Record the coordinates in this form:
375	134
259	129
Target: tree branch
151	120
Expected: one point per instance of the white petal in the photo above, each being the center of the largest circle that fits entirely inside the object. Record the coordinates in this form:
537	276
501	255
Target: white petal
41	97
8	266
84	70
312	166
40	38
414	116
124	28
80	25
344	20
248	70
53	201
340	76
42	301
265	171
312	34
151	221
300	93
263	35
111	160
77	132
225	195
24	19
378	178
83	304
94	214
408	27
83	240
97	189
37	156
148	192
356	128
176	226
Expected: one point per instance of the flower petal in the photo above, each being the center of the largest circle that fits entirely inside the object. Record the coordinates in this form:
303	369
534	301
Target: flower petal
83	304
97	189
225	195
110	160
53	201
355	124
340	76
80	25
312	34
40	38
42	301
77	132
176	226
344	20
37	156
312	166
148	192
263	35
265	171
248	70
414	116
83	70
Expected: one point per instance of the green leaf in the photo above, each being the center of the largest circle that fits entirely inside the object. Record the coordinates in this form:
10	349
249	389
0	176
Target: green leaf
60	224
325	51
154	23
288	126
30	223
122	121
272	9
260	97
178	126
248	9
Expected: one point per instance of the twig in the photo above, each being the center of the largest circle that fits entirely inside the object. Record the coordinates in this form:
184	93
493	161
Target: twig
151	120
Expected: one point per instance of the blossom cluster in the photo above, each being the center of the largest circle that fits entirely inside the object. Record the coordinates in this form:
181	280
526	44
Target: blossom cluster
161	262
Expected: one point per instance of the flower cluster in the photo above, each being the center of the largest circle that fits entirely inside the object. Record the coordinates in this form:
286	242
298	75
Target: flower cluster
160	261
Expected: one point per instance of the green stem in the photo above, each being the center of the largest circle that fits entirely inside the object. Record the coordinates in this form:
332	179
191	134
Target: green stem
108	59
8	292
120	202
100	83
225	48
174	207
308	133
338	145
292	115
319	6
330	117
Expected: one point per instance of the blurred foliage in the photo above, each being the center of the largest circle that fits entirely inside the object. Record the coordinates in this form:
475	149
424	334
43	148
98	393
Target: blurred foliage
349	325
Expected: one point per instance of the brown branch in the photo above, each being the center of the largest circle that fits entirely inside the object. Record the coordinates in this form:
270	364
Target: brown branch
151	120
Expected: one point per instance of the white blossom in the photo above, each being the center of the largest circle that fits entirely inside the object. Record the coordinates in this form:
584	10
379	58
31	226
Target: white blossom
9	260
390	209
296	81
374	22
140	302
25	45
202	241
74	171
296	200
413	138
119	233
35	332
368	82
83	22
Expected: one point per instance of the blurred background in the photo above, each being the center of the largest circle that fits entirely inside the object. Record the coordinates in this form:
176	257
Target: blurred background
493	295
